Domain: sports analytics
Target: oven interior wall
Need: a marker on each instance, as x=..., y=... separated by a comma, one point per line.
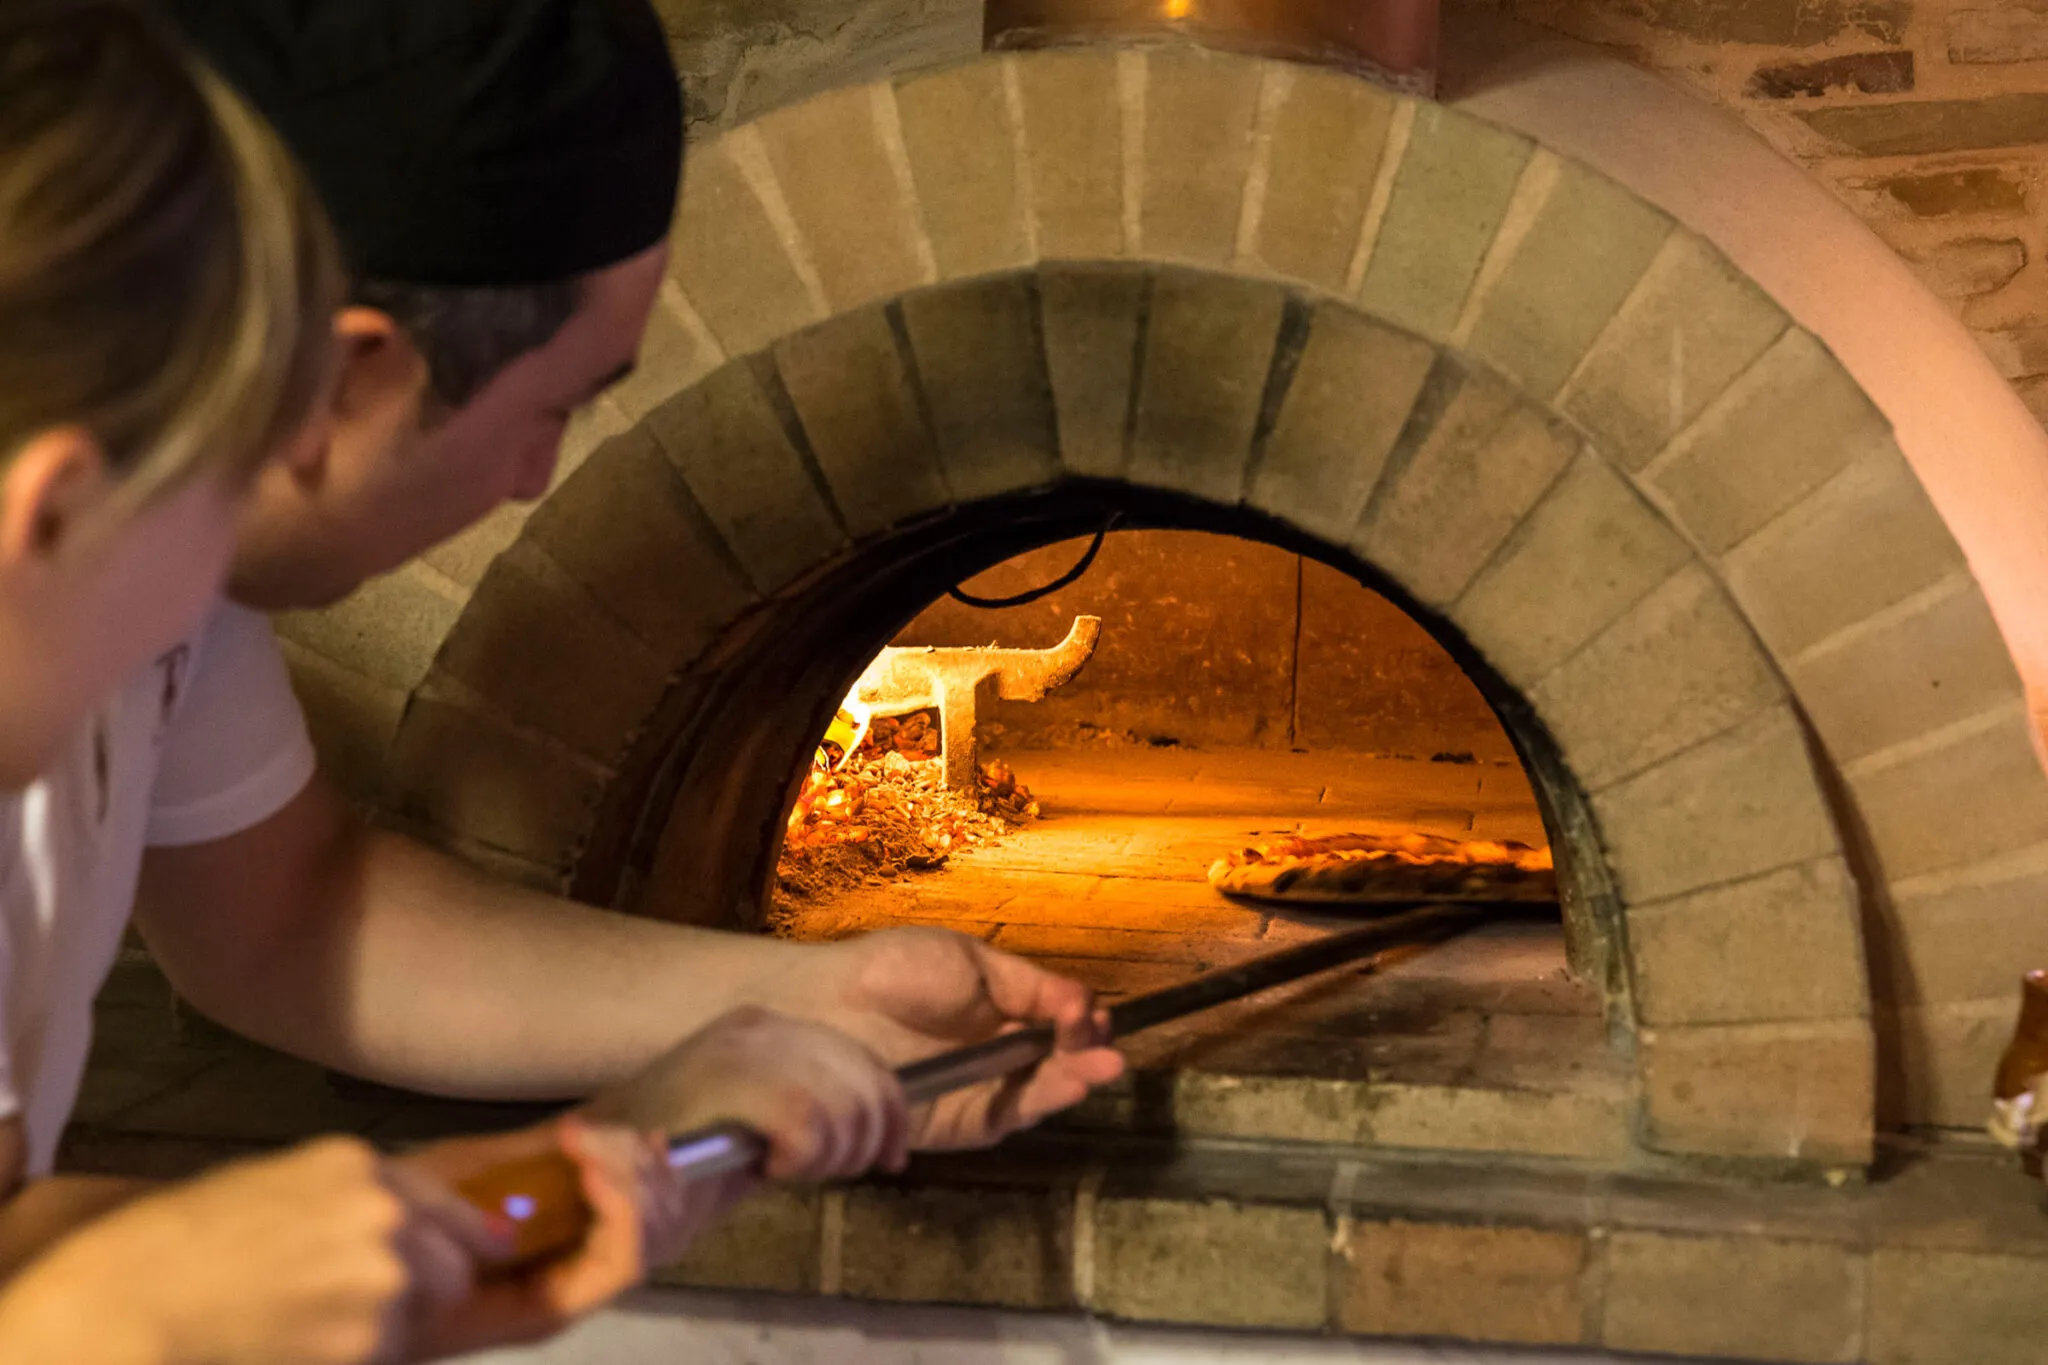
x=1214, y=641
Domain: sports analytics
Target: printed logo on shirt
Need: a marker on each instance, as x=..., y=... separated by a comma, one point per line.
x=173, y=669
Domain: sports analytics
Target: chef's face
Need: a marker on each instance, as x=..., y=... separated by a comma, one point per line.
x=398, y=477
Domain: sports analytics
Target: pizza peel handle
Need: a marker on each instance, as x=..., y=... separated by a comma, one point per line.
x=543, y=1195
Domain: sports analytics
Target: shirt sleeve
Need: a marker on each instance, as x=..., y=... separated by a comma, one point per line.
x=236, y=751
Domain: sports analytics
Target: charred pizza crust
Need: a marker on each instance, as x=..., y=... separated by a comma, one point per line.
x=1365, y=869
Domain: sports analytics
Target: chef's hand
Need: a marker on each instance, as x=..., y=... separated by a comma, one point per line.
x=827, y=1106
x=641, y=1216
x=911, y=993
x=325, y=1255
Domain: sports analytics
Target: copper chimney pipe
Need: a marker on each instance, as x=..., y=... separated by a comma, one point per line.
x=1392, y=42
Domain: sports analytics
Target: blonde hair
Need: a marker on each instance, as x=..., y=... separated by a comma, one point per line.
x=167, y=277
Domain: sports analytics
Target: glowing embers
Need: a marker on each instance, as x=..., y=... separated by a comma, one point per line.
x=881, y=808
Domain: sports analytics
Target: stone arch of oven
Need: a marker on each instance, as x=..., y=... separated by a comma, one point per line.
x=913, y=327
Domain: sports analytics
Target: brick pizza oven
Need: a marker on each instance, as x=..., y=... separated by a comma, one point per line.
x=1763, y=689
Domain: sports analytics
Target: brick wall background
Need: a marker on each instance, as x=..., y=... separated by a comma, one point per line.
x=1929, y=118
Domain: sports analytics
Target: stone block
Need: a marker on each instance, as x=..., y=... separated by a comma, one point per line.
x=465, y=556
x=2004, y=33
x=1210, y=1263
x=352, y=720
x=2034, y=393
x=1481, y=1283
x=1449, y=196
x=1937, y=660
x=1742, y=1297
x=1861, y=542
x=1967, y=794
x=852, y=388
x=1280, y=1108
x=626, y=528
x=1199, y=107
x=1005, y=1248
x=1965, y=1200
x=1583, y=253
x=1454, y=488
x=1948, y=1054
x=1677, y=668
x=729, y=256
x=737, y=459
x=461, y=771
x=1743, y=803
x=1931, y=1307
x=849, y=200
x=1073, y=138
x=1092, y=316
x=1783, y=946
x=769, y=1241
x=2018, y=352
x=1586, y=1125
x=1208, y=351
x=1693, y=324
x=1997, y=190
x=1969, y=267
x=387, y=631
x=1329, y=131
x=1782, y=23
x=1923, y=127
x=985, y=385
x=1791, y=422
x=1866, y=73
x=1969, y=933
x=1352, y=394
x=536, y=649
x=1585, y=553
x=1800, y=1092
x=965, y=161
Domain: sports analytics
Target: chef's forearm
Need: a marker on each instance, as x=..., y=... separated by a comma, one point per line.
x=464, y=985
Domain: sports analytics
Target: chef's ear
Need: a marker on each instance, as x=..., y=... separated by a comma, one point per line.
x=380, y=366
x=47, y=490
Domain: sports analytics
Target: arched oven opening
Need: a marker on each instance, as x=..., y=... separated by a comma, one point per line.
x=1249, y=686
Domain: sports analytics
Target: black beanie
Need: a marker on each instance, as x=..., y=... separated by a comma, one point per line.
x=465, y=142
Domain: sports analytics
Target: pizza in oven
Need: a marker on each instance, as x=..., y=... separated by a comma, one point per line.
x=1364, y=869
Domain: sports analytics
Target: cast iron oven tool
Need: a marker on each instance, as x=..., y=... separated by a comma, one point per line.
x=543, y=1197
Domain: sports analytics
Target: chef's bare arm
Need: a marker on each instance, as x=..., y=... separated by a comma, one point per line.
x=368, y=952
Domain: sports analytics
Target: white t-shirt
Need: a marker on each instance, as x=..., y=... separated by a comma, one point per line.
x=203, y=743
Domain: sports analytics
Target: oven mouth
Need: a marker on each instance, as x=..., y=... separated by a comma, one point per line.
x=1529, y=1015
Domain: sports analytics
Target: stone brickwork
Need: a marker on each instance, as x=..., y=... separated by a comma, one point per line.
x=1940, y=1263
x=1938, y=1258
x=1678, y=588
x=1929, y=120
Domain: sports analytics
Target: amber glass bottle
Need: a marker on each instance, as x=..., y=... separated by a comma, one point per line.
x=2026, y=1056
